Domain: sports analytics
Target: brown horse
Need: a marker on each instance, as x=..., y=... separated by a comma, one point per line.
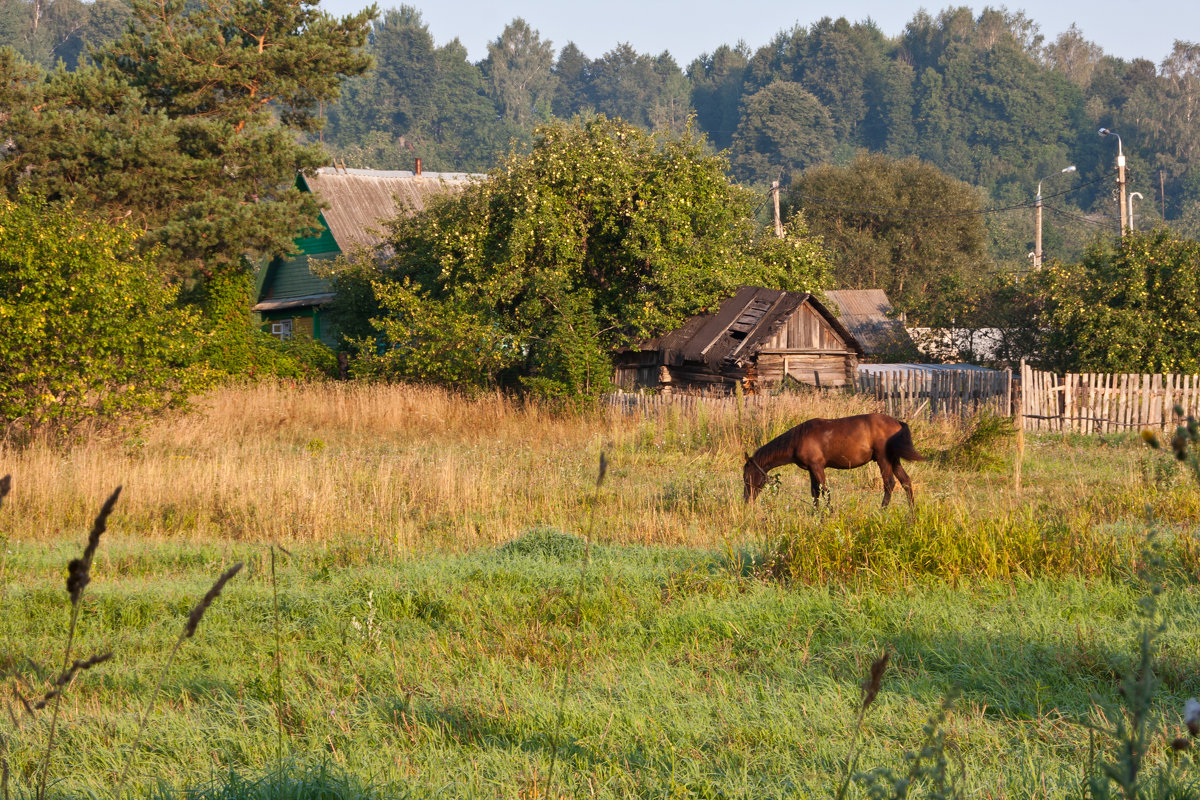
x=846, y=443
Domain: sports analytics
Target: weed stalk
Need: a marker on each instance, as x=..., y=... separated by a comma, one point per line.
x=79, y=575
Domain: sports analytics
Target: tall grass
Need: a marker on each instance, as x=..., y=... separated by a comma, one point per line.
x=414, y=470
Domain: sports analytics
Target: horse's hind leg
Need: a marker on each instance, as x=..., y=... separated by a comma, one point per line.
x=905, y=481
x=889, y=480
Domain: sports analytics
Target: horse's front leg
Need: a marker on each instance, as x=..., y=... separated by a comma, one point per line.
x=816, y=478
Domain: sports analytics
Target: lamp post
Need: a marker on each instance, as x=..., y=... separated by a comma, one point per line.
x=1037, y=219
x=1120, y=176
x=1132, y=195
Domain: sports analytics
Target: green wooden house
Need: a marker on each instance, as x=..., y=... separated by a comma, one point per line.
x=355, y=204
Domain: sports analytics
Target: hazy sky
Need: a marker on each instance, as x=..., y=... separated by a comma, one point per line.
x=1126, y=29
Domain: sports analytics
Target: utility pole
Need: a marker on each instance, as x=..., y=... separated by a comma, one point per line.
x=1037, y=230
x=1162, y=194
x=1120, y=178
x=1121, y=187
x=775, y=198
x=1037, y=219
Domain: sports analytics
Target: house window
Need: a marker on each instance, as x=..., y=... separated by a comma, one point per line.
x=282, y=329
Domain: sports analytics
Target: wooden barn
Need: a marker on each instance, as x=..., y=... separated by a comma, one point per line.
x=356, y=203
x=759, y=338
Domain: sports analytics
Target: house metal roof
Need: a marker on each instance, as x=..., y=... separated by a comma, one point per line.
x=867, y=313
x=360, y=200
x=357, y=204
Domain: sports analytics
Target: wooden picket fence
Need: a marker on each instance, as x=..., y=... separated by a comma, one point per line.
x=681, y=402
x=910, y=392
x=904, y=393
x=1105, y=403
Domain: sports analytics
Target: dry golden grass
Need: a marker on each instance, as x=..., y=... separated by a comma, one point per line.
x=406, y=467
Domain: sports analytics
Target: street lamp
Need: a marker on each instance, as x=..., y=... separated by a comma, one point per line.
x=1037, y=219
x=1132, y=195
x=1120, y=175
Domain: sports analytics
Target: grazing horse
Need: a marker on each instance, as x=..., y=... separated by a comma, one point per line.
x=846, y=443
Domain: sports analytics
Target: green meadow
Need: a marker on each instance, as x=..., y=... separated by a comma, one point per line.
x=439, y=600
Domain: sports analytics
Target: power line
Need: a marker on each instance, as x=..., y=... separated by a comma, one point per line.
x=900, y=211
x=1077, y=217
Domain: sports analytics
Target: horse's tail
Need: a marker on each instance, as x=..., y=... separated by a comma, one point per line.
x=900, y=445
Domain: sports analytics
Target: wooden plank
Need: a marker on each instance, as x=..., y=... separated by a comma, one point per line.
x=1120, y=401
x=1157, y=400
x=1110, y=406
x=1046, y=397
x=1031, y=402
x=1088, y=410
x=1045, y=400
x=1021, y=397
x=1071, y=384
x=1085, y=408
x=1143, y=419
x=1056, y=397
x=1035, y=383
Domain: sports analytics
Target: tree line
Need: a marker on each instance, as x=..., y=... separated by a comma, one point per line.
x=834, y=111
x=984, y=98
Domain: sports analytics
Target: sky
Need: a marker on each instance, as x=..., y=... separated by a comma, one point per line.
x=1125, y=29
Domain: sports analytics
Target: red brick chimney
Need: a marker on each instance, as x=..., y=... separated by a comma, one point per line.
x=417, y=168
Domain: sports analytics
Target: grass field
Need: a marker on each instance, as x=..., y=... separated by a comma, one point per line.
x=419, y=558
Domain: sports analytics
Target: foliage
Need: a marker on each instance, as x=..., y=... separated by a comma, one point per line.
x=432, y=340
x=88, y=330
x=901, y=226
x=188, y=125
x=428, y=102
x=60, y=30
x=648, y=91
x=716, y=81
x=993, y=318
x=981, y=95
x=519, y=70
x=1132, y=305
x=783, y=129
x=601, y=236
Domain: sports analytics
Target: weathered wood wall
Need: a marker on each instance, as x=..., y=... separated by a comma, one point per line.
x=805, y=330
x=826, y=370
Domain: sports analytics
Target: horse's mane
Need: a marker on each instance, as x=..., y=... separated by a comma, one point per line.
x=782, y=442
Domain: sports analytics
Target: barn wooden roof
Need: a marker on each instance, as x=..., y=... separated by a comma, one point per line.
x=867, y=313
x=360, y=200
x=738, y=328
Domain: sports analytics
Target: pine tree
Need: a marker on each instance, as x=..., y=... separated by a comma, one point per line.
x=191, y=123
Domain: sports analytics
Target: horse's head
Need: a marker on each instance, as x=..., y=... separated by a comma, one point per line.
x=754, y=477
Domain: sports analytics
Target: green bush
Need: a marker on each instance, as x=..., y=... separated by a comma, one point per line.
x=88, y=329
